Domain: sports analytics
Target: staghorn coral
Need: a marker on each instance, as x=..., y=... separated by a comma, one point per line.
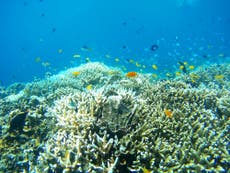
x=119, y=126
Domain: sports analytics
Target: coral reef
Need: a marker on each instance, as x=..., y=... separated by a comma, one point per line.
x=120, y=125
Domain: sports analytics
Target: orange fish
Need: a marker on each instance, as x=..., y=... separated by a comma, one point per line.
x=131, y=74
x=168, y=113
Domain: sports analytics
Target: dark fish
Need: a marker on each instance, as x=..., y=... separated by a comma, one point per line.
x=154, y=47
x=124, y=23
x=205, y=56
x=53, y=29
x=86, y=48
x=25, y=3
x=184, y=68
x=43, y=14
x=124, y=47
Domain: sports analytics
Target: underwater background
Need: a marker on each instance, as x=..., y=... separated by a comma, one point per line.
x=92, y=86
x=39, y=36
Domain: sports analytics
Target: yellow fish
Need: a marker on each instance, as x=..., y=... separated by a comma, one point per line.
x=178, y=73
x=191, y=67
x=219, y=77
x=154, y=75
x=168, y=113
x=145, y=170
x=137, y=64
x=182, y=67
x=89, y=87
x=75, y=73
x=131, y=61
x=154, y=66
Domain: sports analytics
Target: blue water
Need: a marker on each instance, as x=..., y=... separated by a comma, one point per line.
x=195, y=31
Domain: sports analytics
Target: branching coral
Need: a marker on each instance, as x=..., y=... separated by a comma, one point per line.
x=118, y=126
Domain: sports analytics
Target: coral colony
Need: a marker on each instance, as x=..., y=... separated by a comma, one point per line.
x=98, y=119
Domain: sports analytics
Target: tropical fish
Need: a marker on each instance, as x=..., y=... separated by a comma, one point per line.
x=37, y=59
x=76, y=73
x=86, y=48
x=154, y=66
x=154, y=47
x=137, y=64
x=145, y=170
x=168, y=113
x=182, y=67
x=154, y=75
x=221, y=55
x=219, y=77
x=107, y=56
x=54, y=29
x=117, y=59
x=89, y=87
x=46, y=64
x=87, y=59
x=131, y=74
x=60, y=51
x=178, y=73
x=76, y=56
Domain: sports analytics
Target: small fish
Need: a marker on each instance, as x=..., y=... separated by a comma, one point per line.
x=76, y=73
x=37, y=59
x=145, y=170
x=221, y=55
x=178, y=73
x=124, y=23
x=168, y=113
x=131, y=74
x=168, y=74
x=154, y=75
x=124, y=47
x=117, y=59
x=107, y=56
x=86, y=48
x=46, y=64
x=54, y=29
x=191, y=67
x=25, y=3
x=154, y=66
x=182, y=67
x=154, y=47
x=76, y=56
x=137, y=64
x=89, y=87
x=130, y=61
x=87, y=59
x=60, y=51
x=219, y=77
x=205, y=56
